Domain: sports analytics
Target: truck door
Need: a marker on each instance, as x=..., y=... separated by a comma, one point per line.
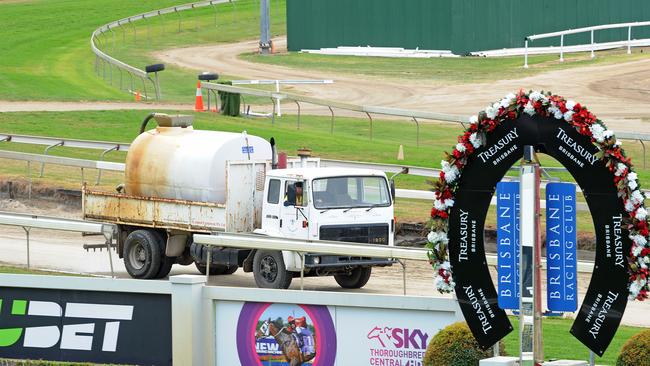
x=272, y=202
x=295, y=210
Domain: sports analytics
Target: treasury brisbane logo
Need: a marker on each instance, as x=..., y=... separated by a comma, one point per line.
x=70, y=336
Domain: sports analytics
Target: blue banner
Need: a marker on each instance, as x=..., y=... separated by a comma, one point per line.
x=508, y=244
x=561, y=256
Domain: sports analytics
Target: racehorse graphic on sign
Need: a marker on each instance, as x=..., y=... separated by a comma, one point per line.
x=286, y=341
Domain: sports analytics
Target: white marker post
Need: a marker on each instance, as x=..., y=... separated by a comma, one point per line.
x=530, y=301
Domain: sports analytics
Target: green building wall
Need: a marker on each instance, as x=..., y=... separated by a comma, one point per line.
x=461, y=26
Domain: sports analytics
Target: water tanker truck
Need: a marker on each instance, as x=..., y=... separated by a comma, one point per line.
x=180, y=181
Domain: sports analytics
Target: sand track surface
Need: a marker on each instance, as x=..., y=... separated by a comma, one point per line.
x=619, y=94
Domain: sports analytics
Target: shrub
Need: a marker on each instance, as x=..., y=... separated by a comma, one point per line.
x=455, y=346
x=636, y=351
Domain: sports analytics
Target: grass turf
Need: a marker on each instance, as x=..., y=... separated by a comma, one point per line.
x=45, y=44
x=560, y=344
x=444, y=70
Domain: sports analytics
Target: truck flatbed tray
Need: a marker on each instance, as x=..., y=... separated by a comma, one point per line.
x=155, y=212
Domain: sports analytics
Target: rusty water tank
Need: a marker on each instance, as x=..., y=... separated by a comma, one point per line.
x=188, y=164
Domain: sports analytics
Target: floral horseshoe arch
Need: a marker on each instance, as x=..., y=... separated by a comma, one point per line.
x=572, y=135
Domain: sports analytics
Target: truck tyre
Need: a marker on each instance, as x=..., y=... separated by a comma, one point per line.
x=142, y=254
x=357, y=278
x=269, y=270
x=166, y=262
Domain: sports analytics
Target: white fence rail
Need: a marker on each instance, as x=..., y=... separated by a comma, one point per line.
x=592, y=46
x=96, y=43
x=28, y=222
x=302, y=247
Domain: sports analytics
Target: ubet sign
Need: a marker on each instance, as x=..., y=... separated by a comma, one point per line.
x=70, y=336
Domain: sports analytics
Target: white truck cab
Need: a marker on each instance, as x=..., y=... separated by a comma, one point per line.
x=335, y=204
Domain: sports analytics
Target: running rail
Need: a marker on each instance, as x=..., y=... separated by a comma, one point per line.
x=629, y=43
x=95, y=39
x=28, y=222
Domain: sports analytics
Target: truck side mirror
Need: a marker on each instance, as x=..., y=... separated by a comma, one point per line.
x=392, y=189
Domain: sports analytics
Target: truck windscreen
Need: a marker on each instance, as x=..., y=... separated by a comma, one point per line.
x=348, y=192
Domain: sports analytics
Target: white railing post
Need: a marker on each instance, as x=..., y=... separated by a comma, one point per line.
x=277, y=90
x=629, y=40
x=526, y=54
x=187, y=320
x=562, y=48
x=593, y=55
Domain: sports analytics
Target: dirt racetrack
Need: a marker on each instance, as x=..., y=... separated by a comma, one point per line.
x=618, y=93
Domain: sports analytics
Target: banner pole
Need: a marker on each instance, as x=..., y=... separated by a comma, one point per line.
x=530, y=303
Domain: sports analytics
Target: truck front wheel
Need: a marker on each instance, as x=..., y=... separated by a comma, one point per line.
x=143, y=254
x=269, y=270
x=357, y=278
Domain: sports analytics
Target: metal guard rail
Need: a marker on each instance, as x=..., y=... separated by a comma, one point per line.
x=339, y=105
x=110, y=26
x=591, y=29
x=28, y=222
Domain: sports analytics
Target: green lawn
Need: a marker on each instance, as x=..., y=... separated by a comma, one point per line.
x=444, y=70
x=46, y=52
x=560, y=344
x=350, y=140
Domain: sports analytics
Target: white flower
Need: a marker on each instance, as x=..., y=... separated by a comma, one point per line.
x=451, y=171
x=646, y=260
x=449, y=202
x=445, y=265
x=632, y=184
x=437, y=237
x=529, y=109
x=608, y=133
x=635, y=287
x=475, y=140
x=570, y=104
x=505, y=102
x=491, y=111
x=597, y=132
x=460, y=147
x=643, y=265
x=439, y=205
x=629, y=206
x=637, y=197
x=555, y=111
x=536, y=96
x=636, y=249
x=640, y=241
x=641, y=213
x=473, y=119
x=620, y=169
x=568, y=116
x=618, y=143
x=632, y=176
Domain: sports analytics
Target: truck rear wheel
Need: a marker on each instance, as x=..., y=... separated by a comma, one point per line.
x=269, y=270
x=357, y=278
x=143, y=254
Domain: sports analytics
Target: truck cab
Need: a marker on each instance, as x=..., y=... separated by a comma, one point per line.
x=334, y=204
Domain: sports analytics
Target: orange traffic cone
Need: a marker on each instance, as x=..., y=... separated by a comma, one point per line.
x=198, y=105
x=137, y=96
